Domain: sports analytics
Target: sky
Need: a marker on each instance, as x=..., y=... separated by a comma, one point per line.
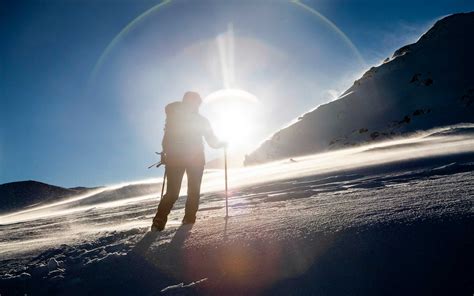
x=83, y=84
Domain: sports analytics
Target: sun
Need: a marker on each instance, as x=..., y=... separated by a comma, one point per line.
x=233, y=113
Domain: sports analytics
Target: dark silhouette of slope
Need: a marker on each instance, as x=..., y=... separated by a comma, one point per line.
x=17, y=195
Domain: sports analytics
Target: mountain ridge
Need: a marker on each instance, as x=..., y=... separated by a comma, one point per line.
x=424, y=85
x=16, y=195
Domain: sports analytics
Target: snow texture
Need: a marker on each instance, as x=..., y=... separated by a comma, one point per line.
x=391, y=218
x=424, y=85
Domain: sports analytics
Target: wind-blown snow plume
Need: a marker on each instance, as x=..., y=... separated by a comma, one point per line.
x=424, y=85
x=444, y=141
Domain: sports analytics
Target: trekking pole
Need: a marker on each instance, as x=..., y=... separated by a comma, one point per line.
x=157, y=164
x=226, y=191
x=163, y=185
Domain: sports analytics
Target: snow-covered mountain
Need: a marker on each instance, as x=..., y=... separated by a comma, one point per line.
x=423, y=85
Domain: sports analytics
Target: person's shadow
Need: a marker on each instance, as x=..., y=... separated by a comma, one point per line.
x=148, y=269
x=177, y=242
x=181, y=235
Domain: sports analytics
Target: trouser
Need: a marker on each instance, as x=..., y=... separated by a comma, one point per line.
x=174, y=178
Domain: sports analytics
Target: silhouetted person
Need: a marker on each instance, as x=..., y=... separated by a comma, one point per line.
x=183, y=151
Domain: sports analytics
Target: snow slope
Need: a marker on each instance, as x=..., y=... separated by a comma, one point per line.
x=424, y=85
x=392, y=218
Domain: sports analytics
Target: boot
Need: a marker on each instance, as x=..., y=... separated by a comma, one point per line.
x=158, y=225
x=188, y=220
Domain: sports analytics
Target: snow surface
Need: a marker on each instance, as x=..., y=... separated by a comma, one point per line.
x=424, y=85
x=389, y=218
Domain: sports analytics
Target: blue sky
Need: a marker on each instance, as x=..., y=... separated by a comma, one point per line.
x=63, y=123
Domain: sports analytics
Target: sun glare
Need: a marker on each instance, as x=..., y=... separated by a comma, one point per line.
x=233, y=114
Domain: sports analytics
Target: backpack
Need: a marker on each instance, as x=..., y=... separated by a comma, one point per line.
x=173, y=130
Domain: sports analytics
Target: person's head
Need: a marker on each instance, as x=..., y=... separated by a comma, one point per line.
x=192, y=100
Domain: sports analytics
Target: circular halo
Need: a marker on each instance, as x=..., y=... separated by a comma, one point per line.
x=158, y=7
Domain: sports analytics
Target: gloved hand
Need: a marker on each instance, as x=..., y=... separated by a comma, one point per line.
x=163, y=158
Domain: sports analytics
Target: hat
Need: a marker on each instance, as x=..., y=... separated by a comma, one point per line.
x=192, y=97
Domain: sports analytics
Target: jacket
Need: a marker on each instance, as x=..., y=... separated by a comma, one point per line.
x=183, y=138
